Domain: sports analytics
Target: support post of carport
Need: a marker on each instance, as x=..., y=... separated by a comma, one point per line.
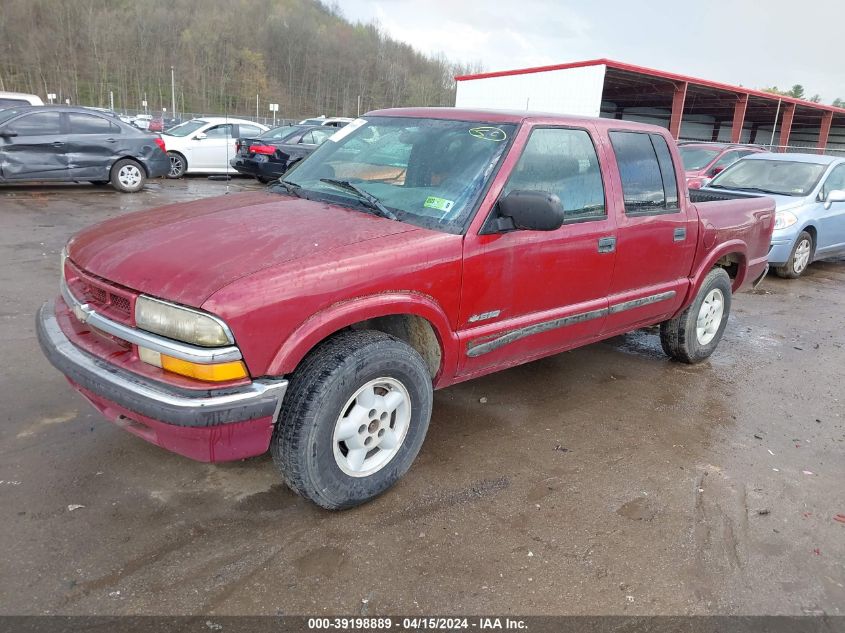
x=739, y=118
x=786, y=126
x=824, y=131
x=678, y=99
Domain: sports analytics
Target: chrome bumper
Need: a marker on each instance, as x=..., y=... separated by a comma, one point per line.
x=156, y=400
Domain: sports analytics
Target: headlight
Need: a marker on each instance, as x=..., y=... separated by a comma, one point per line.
x=62, y=260
x=784, y=219
x=182, y=324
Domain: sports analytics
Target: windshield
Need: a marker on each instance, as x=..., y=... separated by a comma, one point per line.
x=280, y=132
x=696, y=157
x=185, y=129
x=5, y=115
x=428, y=172
x=786, y=177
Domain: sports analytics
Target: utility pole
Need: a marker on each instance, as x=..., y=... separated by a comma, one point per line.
x=256, y=107
x=172, y=92
x=359, y=105
x=111, y=100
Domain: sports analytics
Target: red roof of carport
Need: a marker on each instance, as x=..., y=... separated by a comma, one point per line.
x=654, y=73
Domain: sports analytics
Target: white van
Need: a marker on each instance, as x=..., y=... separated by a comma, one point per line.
x=12, y=99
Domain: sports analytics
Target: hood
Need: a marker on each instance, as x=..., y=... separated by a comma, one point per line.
x=782, y=203
x=186, y=252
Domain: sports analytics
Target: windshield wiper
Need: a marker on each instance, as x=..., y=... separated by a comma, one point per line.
x=290, y=187
x=761, y=190
x=365, y=196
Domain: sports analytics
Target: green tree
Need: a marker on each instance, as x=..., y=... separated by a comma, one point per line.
x=796, y=91
x=816, y=98
x=839, y=103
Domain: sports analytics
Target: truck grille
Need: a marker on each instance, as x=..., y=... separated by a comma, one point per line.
x=108, y=299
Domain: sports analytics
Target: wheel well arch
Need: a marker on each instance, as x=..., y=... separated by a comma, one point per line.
x=134, y=160
x=418, y=322
x=814, y=233
x=733, y=263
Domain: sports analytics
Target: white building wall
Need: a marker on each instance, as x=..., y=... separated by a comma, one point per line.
x=570, y=91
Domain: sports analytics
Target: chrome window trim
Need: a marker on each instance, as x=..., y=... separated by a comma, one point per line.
x=183, y=351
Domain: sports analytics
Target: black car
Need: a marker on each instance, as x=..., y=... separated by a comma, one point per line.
x=270, y=155
x=68, y=144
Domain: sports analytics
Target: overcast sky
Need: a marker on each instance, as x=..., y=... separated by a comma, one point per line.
x=754, y=43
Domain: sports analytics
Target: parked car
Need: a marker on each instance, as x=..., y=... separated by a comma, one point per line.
x=270, y=155
x=314, y=318
x=703, y=161
x=809, y=191
x=156, y=124
x=205, y=146
x=335, y=121
x=63, y=143
x=142, y=121
x=14, y=99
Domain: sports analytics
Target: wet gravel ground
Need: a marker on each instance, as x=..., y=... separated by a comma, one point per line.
x=606, y=480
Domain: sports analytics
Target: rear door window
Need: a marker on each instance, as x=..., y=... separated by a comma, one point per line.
x=249, y=130
x=38, y=124
x=90, y=124
x=562, y=161
x=647, y=172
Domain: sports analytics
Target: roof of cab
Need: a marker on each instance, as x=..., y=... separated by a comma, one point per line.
x=511, y=116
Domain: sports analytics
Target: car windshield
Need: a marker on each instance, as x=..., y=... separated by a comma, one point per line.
x=696, y=157
x=278, y=133
x=786, y=177
x=185, y=129
x=428, y=172
x=5, y=115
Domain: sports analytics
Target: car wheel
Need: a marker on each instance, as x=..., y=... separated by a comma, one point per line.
x=799, y=258
x=694, y=334
x=127, y=176
x=178, y=165
x=353, y=419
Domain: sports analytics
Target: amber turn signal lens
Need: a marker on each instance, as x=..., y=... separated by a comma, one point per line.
x=219, y=372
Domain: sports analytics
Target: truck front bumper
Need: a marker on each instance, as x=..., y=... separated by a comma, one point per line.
x=209, y=425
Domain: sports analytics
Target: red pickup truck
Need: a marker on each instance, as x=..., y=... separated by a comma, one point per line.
x=416, y=249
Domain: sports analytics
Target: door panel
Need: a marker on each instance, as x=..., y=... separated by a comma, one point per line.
x=656, y=235
x=528, y=294
x=831, y=234
x=211, y=152
x=92, y=144
x=38, y=150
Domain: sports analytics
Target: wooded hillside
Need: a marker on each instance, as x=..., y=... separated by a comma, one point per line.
x=299, y=53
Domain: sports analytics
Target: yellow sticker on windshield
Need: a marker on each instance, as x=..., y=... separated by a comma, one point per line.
x=441, y=204
x=488, y=133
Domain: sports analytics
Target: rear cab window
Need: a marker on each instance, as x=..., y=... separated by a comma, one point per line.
x=647, y=172
x=90, y=124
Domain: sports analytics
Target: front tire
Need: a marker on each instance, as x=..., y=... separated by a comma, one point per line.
x=128, y=176
x=799, y=258
x=353, y=419
x=178, y=165
x=694, y=334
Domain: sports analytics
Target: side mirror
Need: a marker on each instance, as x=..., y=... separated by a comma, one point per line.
x=8, y=133
x=531, y=210
x=200, y=136
x=836, y=195
x=716, y=170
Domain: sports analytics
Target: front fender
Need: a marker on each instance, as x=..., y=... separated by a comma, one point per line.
x=343, y=314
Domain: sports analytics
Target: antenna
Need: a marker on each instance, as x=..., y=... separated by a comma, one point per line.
x=229, y=140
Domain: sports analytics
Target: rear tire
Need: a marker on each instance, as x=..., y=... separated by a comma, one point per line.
x=799, y=258
x=353, y=419
x=694, y=334
x=178, y=165
x=128, y=176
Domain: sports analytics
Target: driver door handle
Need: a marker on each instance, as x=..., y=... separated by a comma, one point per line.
x=58, y=144
x=607, y=244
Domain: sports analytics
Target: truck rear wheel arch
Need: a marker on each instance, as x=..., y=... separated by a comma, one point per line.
x=734, y=264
